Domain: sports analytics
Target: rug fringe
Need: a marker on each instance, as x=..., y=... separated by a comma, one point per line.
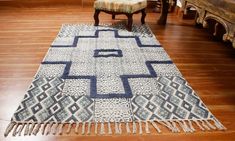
x=141, y=127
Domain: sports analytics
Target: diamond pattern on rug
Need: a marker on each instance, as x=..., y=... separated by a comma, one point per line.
x=176, y=100
x=106, y=74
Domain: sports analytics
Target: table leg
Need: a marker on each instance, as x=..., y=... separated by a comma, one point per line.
x=164, y=11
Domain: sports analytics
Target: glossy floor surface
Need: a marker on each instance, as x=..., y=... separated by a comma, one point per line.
x=27, y=32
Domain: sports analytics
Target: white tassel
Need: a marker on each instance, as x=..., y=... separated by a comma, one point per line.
x=191, y=126
x=210, y=125
x=204, y=125
x=120, y=127
x=182, y=126
x=155, y=126
x=96, y=127
x=55, y=129
x=147, y=127
x=128, y=128
x=77, y=127
x=89, y=128
x=102, y=129
x=83, y=128
x=198, y=124
x=176, y=129
x=9, y=128
x=36, y=130
x=140, y=128
x=168, y=125
x=49, y=128
x=31, y=129
x=26, y=131
x=21, y=129
x=116, y=128
x=43, y=129
x=109, y=128
x=15, y=130
x=61, y=129
x=69, y=128
x=219, y=125
x=134, y=127
x=187, y=127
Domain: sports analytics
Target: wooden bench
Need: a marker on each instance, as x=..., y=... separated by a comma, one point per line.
x=222, y=11
x=116, y=7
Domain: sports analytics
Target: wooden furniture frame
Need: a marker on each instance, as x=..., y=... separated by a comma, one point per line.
x=129, y=16
x=206, y=11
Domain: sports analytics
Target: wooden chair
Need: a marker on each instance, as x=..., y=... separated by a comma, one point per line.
x=116, y=7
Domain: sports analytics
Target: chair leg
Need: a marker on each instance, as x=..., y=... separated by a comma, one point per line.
x=143, y=16
x=130, y=21
x=96, y=17
x=113, y=16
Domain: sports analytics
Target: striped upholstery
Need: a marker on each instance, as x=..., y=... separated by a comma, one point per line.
x=125, y=6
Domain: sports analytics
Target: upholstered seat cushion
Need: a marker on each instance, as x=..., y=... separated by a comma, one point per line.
x=126, y=6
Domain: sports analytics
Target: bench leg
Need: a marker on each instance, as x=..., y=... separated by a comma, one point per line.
x=96, y=17
x=143, y=16
x=113, y=16
x=130, y=21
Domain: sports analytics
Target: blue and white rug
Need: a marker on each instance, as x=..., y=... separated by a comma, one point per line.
x=110, y=80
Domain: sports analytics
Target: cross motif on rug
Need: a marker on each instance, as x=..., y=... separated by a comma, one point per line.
x=110, y=80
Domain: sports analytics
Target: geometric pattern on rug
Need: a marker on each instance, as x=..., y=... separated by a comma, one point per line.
x=176, y=100
x=106, y=74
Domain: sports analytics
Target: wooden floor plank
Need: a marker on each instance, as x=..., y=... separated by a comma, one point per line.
x=27, y=32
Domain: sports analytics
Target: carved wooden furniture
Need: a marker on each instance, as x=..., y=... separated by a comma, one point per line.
x=222, y=11
x=116, y=7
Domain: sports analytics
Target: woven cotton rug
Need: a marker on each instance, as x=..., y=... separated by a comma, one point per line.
x=110, y=80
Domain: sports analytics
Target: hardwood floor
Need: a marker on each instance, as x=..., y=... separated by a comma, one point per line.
x=27, y=32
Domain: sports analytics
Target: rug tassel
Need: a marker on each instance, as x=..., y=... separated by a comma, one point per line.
x=9, y=128
x=69, y=128
x=36, y=130
x=140, y=128
x=218, y=125
x=128, y=128
x=134, y=127
x=155, y=126
x=120, y=127
x=147, y=127
x=26, y=131
x=191, y=126
x=15, y=130
x=89, y=128
x=48, y=130
x=210, y=125
x=21, y=129
x=61, y=129
x=55, y=128
x=168, y=124
x=204, y=125
x=198, y=124
x=77, y=127
x=182, y=126
x=44, y=128
x=176, y=129
x=109, y=128
x=116, y=128
x=102, y=132
x=187, y=127
x=31, y=129
x=96, y=127
x=83, y=128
